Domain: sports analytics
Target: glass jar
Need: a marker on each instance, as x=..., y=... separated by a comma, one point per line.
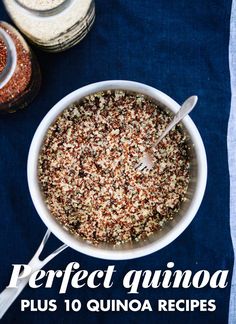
x=20, y=76
x=53, y=25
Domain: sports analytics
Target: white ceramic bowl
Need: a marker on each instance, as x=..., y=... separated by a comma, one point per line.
x=198, y=177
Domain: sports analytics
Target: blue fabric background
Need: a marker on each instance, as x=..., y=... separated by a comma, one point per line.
x=181, y=48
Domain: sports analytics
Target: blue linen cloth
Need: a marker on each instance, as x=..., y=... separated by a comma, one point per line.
x=181, y=48
x=232, y=154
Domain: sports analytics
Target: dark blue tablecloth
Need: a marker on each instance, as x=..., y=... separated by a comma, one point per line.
x=181, y=48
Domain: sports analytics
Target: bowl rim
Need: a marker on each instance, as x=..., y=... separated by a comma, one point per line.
x=57, y=229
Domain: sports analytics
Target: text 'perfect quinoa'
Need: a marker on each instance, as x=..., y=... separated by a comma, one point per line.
x=87, y=175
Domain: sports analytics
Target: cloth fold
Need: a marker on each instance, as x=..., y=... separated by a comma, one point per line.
x=232, y=155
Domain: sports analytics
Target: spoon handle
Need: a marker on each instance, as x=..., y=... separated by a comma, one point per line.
x=184, y=110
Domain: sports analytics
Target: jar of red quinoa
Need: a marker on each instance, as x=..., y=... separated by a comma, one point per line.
x=20, y=76
x=52, y=25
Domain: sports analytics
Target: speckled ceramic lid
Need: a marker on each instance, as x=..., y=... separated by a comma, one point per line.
x=41, y=4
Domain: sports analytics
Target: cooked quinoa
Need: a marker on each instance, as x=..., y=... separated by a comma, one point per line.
x=87, y=168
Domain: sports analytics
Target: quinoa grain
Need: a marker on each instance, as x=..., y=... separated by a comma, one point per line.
x=87, y=175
